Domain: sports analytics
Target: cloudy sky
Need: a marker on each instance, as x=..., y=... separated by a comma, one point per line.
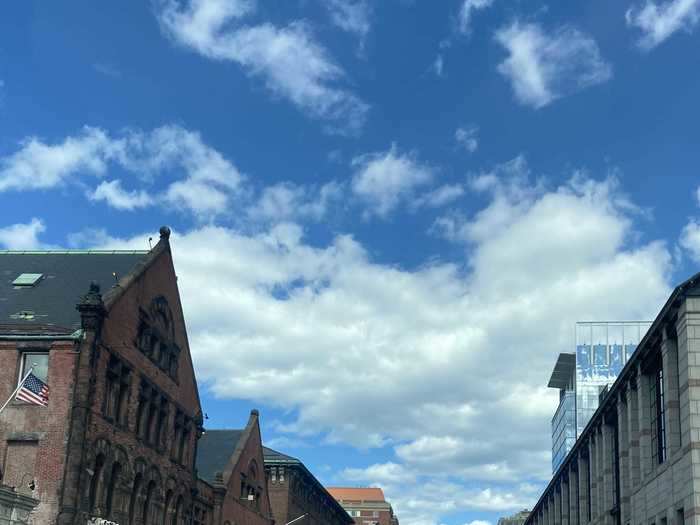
x=387, y=215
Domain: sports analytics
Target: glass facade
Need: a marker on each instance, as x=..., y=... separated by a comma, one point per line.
x=563, y=428
x=602, y=349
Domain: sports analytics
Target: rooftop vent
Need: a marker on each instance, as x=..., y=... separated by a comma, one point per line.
x=27, y=279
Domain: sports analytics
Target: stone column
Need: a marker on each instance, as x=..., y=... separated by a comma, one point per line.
x=669, y=356
x=633, y=464
x=564, y=499
x=606, y=434
x=643, y=411
x=583, y=466
x=556, y=505
x=573, y=499
x=594, y=475
x=623, y=445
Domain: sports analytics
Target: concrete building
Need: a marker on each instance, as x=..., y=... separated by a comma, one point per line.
x=636, y=461
x=118, y=439
x=516, y=519
x=366, y=505
x=294, y=492
x=602, y=349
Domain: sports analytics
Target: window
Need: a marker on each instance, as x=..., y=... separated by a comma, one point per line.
x=657, y=412
x=38, y=362
x=113, y=481
x=95, y=481
x=116, y=391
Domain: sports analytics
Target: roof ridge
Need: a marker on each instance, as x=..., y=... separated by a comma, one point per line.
x=73, y=252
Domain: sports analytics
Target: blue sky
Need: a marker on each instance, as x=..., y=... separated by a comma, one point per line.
x=387, y=215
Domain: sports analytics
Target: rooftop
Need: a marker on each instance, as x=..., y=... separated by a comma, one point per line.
x=563, y=372
x=357, y=493
x=52, y=284
x=214, y=449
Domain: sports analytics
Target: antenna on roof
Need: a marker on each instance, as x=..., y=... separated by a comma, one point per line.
x=150, y=246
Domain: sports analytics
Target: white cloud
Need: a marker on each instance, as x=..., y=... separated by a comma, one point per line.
x=384, y=180
x=119, y=198
x=690, y=240
x=439, y=65
x=479, y=522
x=352, y=16
x=543, y=66
x=37, y=165
x=207, y=183
x=440, y=196
x=286, y=201
x=289, y=59
x=22, y=236
x=467, y=10
x=467, y=137
x=336, y=331
x=658, y=21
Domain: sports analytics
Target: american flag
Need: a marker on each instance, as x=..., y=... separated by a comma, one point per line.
x=34, y=391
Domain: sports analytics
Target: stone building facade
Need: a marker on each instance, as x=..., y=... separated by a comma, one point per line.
x=118, y=440
x=637, y=462
x=295, y=492
x=366, y=505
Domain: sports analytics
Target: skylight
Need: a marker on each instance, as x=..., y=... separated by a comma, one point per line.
x=27, y=279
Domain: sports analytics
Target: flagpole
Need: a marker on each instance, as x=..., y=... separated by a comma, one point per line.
x=16, y=390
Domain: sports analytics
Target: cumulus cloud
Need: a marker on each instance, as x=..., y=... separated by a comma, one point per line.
x=289, y=59
x=336, y=331
x=352, y=16
x=22, y=236
x=690, y=239
x=658, y=21
x=384, y=180
x=544, y=66
x=206, y=185
x=467, y=137
x=117, y=197
x=37, y=165
x=440, y=196
x=286, y=201
x=467, y=10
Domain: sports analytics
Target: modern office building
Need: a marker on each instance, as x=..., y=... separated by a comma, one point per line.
x=602, y=349
x=636, y=460
x=366, y=505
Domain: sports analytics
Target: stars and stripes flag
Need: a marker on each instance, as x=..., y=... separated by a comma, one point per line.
x=34, y=390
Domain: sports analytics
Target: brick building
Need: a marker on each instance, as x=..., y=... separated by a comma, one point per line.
x=637, y=460
x=295, y=492
x=118, y=440
x=366, y=505
x=231, y=466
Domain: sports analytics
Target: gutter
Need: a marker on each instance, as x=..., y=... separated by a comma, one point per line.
x=75, y=336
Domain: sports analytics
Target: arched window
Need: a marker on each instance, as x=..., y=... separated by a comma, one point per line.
x=113, y=481
x=95, y=481
x=135, y=491
x=177, y=515
x=166, y=508
x=150, y=493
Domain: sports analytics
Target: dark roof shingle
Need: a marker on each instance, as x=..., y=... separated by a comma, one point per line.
x=66, y=276
x=214, y=450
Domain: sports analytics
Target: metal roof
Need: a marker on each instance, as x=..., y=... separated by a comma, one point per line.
x=214, y=450
x=563, y=371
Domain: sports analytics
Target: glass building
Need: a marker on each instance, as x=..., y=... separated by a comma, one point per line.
x=602, y=349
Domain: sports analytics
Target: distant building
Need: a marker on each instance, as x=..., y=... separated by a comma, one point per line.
x=294, y=492
x=366, y=505
x=636, y=462
x=602, y=349
x=516, y=519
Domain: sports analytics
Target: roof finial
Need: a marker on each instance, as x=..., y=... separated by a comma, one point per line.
x=164, y=232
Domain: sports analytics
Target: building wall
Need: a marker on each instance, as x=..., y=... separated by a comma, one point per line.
x=33, y=438
x=294, y=493
x=247, y=476
x=369, y=513
x=615, y=475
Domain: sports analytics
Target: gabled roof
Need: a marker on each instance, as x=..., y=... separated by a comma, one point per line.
x=357, y=493
x=49, y=304
x=273, y=456
x=214, y=450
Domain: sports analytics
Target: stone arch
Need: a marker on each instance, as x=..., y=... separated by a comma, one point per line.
x=98, y=457
x=117, y=484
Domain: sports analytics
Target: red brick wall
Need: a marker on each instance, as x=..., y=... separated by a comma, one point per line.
x=39, y=432
x=234, y=509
